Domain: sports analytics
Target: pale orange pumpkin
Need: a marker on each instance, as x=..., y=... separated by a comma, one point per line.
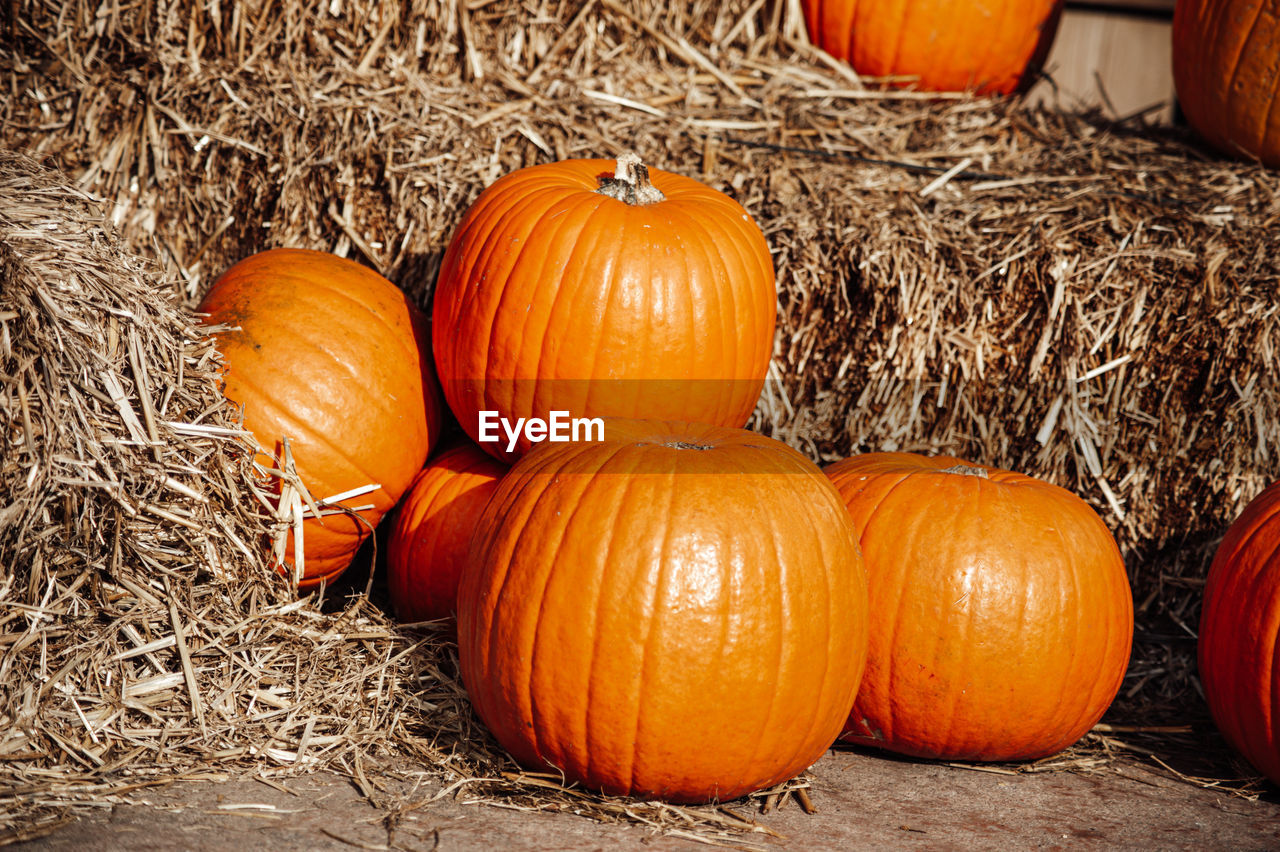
x=677, y=611
x=1001, y=615
x=602, y=288
x=334, y=357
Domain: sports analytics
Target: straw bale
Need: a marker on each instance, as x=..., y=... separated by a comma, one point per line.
x=1074, y=295
x=143, y=636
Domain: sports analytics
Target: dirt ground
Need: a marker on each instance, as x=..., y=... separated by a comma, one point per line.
x=862, y=800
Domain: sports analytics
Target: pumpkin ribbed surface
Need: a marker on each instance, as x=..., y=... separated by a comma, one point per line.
x=553, y=295
x=1239, y=645
x=1226, y=70
x=678, y=611
x=431, y=529
x=331, y=355
x=1001, y=614
x=987, y=46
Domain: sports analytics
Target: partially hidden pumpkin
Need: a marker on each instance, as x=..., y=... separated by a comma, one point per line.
x=984, y=46
x=1240, y=634
x=675, y=612
x=602, y=288
x=332, y=356
x=431, y=529
x=1001, y=614
x=1226, y=71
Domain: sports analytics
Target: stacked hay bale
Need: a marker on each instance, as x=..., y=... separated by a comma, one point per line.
x=143, y=637
x=1088, y=301
x=111, y=394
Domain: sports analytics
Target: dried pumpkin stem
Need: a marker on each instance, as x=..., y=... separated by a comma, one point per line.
x=967, y=470
x=630, y=182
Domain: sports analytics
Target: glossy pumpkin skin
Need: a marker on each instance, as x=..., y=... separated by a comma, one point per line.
x=332, y=355
x=1240, y=632
x=431, y=529
x=677, y=612
x=554, y=296
x=985, y=46
x=1002, y=618
x=1226, y=70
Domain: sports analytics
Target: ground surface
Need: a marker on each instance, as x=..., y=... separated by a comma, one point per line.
x=863, y=802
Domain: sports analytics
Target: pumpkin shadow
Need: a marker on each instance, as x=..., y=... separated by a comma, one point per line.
x=370, y=558
x=1201, y=758
x=1197, y=754
x=415, y=274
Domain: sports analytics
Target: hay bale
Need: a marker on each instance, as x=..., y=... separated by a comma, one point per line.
x=119, y=448
x=143, y=637
x=1081, y=302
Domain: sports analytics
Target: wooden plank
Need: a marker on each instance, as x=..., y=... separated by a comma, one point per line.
x=1108, y=58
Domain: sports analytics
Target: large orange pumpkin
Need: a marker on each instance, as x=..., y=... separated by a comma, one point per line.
x=1240, y=633
x=432, y=527
x=985, y=46
x=678, y=611
x=333, y=356
x=583, y=286
x=1001, y=615
x=1226, y=70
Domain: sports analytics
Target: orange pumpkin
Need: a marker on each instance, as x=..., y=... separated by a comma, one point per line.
x=677, y=611
x=1240, y=632
x=431, y=529
x=584, y=287
x=333, y=356
x=1226, y=71
x=985, y=46
x=1001, y=614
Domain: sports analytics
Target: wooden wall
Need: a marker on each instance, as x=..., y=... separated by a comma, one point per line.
x=1115, y=54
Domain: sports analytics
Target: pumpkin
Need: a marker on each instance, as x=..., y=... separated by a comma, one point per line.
x=677, y=611
x=431, y=528
x=1001, y=614
x=984, y=46
x=1240, y=631
x=602, y=288
x=334, y=357
x=1226, y=72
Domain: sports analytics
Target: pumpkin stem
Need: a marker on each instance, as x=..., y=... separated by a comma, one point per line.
x=967, y=470
x=630, y=182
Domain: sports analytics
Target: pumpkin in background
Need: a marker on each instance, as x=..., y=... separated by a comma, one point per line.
x=1239, y=633
x=985, y=46
x=600, y=288
x=333, y=356
x=677, y=611
x=431, y=528
x=1001, y=615
x=1226, y=71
